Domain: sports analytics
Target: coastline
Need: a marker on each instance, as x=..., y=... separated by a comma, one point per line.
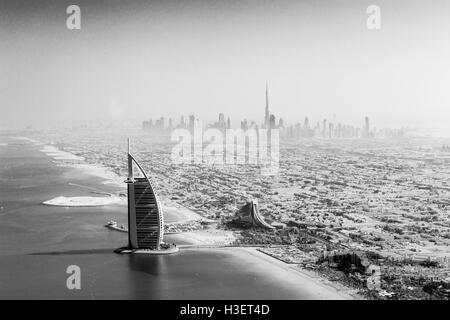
x=214, y=237
x=312, y=279
x=216, y=240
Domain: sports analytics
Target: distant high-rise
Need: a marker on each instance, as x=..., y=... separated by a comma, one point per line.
x=182, y=122
x=147, y=125
x=159, y=124
x=306, y=123
x=244, y=125
x=267, y=115
x=272, y=123
x=366, y=128
x=221, y=123
x=191, y=122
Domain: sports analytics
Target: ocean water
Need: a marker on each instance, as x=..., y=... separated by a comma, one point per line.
x=39, y=242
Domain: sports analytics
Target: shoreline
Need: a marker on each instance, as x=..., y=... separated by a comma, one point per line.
x=320, y=287
x=203, y=239
x=340, y=289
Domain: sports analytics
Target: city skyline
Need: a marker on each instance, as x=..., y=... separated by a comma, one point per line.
x=325, y=128
x=208, y=57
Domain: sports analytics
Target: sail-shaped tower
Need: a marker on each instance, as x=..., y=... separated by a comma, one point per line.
x=145, y=214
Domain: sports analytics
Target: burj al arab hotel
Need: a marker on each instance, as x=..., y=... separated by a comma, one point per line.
x=145, y=214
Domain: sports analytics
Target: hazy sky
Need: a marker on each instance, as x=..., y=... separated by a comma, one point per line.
x=167, y=58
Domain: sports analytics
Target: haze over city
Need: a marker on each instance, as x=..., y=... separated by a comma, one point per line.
x=225, y=149
x=168, y=58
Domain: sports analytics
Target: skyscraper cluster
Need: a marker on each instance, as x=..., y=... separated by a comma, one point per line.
x=157, y=126
x=324, y=129
x=221, y=124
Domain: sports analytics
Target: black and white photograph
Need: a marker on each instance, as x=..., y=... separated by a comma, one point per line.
x=201, y=150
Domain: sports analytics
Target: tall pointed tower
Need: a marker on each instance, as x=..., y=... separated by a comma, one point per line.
x=145, y=215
